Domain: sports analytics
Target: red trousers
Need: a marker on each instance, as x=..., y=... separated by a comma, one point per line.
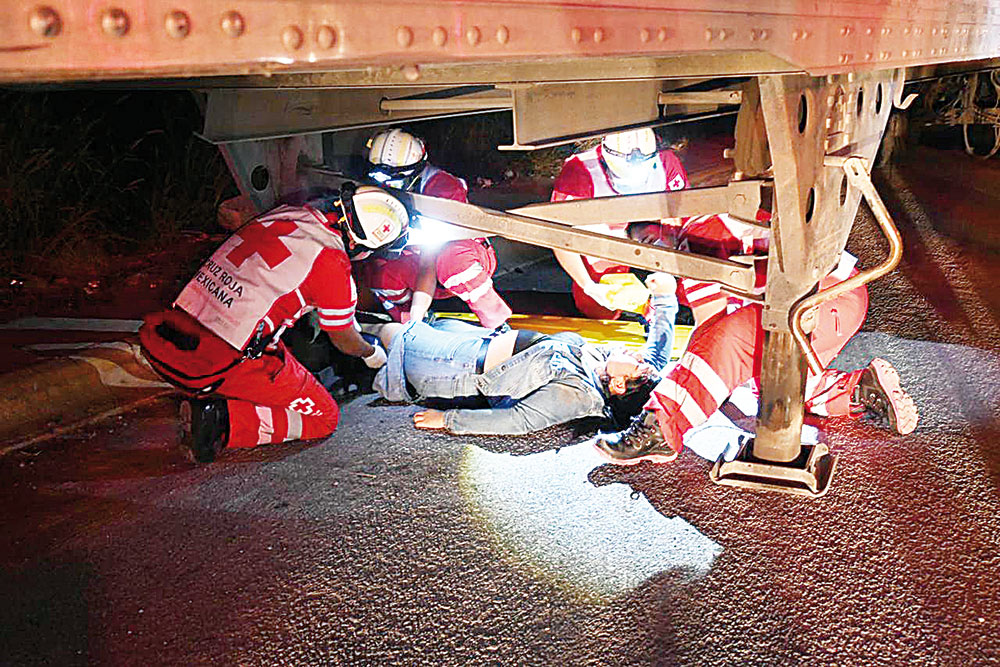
x=725, y=352
x=270, y=399
x=464, y=269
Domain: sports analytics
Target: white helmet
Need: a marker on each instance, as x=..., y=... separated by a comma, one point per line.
x=397, y=158
x=374, y=218
x=625, y=153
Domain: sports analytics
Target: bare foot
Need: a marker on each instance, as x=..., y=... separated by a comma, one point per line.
x=429, y=419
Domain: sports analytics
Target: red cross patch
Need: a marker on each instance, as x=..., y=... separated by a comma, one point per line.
x=263, y=240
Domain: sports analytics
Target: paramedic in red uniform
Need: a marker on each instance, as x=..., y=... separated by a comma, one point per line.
x=220, y=341
x=623, y=164
x=725, y=349
x=463, y=267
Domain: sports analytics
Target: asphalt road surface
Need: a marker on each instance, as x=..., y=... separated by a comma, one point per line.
x=384, y=545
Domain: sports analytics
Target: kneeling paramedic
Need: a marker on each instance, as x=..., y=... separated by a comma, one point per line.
x=220, y=341
x=443, y=260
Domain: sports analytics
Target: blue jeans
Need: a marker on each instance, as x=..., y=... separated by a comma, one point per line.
x=550, y=382
x=440, y=360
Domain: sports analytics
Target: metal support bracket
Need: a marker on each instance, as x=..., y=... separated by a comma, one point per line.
x=545, y=113
x=808, y=122
x=551, y=225
x=857, y=176
x=808, y=475
x=732, y=276
x=899, y=81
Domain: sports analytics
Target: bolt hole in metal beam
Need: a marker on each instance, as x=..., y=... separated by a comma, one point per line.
x=810, y=204
x=803, y=113
x=259, y=178
x=878, y=99
x=861, y=100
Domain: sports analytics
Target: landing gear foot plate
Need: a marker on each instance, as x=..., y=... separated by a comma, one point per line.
x=808, y=475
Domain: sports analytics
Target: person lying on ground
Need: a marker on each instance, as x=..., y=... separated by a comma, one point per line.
x=528, y=381
x=220, y=343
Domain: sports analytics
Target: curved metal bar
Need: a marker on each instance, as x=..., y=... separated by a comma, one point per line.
x=857, y=175
x=898, y=83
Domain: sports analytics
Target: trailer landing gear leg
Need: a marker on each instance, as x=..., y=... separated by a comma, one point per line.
x=776, y=459
x=822, y=134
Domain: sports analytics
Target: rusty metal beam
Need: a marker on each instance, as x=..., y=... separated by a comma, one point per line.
x=711, y=97
x=741, y=199
x=257, y=114
x=483, y=100
x=734, y=276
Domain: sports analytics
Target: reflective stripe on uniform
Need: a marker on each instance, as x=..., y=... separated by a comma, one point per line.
x=389, y=293
x=475, y=295
x=679, y=395
x=335, y=317
x=265, y=431
x=709, y=379
x=393, y=297
x=702, y=291
x=334, y=312
x=294, y=425
x=475, y=269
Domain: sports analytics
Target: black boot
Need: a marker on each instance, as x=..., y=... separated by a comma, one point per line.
x=204, y=428
x=641, y=441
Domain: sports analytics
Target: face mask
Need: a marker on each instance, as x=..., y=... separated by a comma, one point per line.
x=632, y=177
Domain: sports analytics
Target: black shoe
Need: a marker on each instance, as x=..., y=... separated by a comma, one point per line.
x=349, y=383
x=641, y=441
x=366, y=317
x=204, y=429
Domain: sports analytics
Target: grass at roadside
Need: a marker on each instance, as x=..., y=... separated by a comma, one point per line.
x=88, y=177
x=93, y=180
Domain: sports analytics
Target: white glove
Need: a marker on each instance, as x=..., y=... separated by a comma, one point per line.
x=600, y=293
x=376, y=359
x=660, y=284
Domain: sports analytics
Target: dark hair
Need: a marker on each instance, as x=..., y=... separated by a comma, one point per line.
x=621, y=408
x=652, y=233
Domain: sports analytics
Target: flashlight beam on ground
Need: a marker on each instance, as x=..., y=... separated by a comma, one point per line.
x=600, y=540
